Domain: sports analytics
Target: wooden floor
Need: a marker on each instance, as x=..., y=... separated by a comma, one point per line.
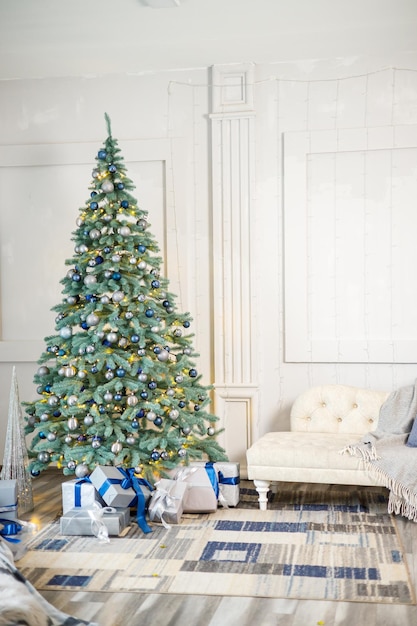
x=134, y=609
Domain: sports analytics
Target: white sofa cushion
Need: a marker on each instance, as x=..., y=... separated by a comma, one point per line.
x=306, y=457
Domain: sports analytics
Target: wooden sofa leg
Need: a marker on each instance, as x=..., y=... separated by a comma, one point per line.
x=262, y=487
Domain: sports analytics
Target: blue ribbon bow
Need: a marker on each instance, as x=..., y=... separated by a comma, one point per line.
x=232, y=480
x=130, y=480
x=10, y=528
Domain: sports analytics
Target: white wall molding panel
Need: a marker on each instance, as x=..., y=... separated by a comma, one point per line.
x=234, y=267
x=349, y=204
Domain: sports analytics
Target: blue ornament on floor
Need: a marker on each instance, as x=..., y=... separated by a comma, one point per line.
x=34, y=472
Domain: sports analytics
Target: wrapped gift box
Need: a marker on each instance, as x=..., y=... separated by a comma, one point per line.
x=200, y=496
x=229, y=481
x=79, y=493
x=78, y=521
x=108, y=480
x=167, y=501
x=8, y=499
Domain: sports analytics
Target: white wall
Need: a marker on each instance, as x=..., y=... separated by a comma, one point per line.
x=283, y=198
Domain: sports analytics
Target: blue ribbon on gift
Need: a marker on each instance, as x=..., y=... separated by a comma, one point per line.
x=130, y=480
x=8, y=508
x=10, y=528
x=212, y=474
x=232, y=480
x=77, y=492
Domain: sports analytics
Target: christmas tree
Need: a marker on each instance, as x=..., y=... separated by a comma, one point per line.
x=117, y=382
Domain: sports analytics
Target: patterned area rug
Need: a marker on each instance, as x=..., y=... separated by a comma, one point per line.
x=322, y=543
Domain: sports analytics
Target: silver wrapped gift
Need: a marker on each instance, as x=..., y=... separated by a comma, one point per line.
x=166, y=504
x=86, y=521
x=8, y=499
x=200, y=496
x=109, y=482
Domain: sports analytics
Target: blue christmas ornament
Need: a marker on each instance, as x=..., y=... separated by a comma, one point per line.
x=93, y=193
x=181, y=404
x=76, y=278
x=166, y=303
x=135, y=424
x=134, y=338
x=149, y=312
x=120, y=186
x=144, y=395
x=34, y=472
x=193, y=373
x=155, y=455
x=102, y=154
x=186, y=324
x=94, y=369
x=141, y=248
x=152, y=385
x=140, y=413
x=84, y=325
x=93, y=206
x=116, y=276
x=101, y=409
x=158, y=421
x=112, y=168
x=107, y=249
x=155, y=284
x=120, y=372
x=124, y=204
x=118, y=397
x=42, y=435
x=157, y=349
x=99, y=259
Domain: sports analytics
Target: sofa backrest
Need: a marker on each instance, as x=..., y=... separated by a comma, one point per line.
x=337, y=409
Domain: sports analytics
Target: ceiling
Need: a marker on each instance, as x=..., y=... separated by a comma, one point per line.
x=43, y=38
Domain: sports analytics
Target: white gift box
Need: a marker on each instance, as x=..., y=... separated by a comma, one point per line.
x=200, y=496
x=108, y=480
x=79, y=493
x=79, y=521
x=8, y=499
x=228, y=475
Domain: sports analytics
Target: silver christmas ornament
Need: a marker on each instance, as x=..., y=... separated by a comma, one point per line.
x=117, y=296
x=92, y=319
x=89, y=280
x=104, y=299
x=111, y=337
x=89, y=420
x=143, y=377
x=128, y=315
x=107, y=186
x=95, y=444
x=163, y=355
x=109, y=375
x=72, y=400
x=125, y=231
x=132, y=260
x=51, y=436
x=210, y=431
x=43, y=370
x=72, y=423
x=186, y=430
x=123, y=342
x=142, y=265
x=44, y=417
x=132, y=400
x=182, y=452
x=44, y=457
x=116, y=447
x=94, y=233
x=82, y=374
x=90, y=349
x=71, y=299
x=70, y=371
x=174, y=414
x=108, y=396
x=53, y=400
x=179, y=378
x=81, y=470
x=65, y=332
x=130, y=440
x=151, y=416
x=79, y=221
x=116, y=258
x=68, y=439
x=71, y=465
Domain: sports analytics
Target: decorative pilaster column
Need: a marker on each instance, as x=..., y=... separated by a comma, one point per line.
x=233, y=179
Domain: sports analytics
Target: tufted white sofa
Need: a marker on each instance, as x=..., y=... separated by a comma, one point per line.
x=323, y=421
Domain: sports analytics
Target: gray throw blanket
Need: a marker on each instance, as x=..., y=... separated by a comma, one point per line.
x=385, y=454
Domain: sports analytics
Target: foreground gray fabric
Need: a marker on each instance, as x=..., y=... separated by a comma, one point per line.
x=386, y=455
x=21, y=604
